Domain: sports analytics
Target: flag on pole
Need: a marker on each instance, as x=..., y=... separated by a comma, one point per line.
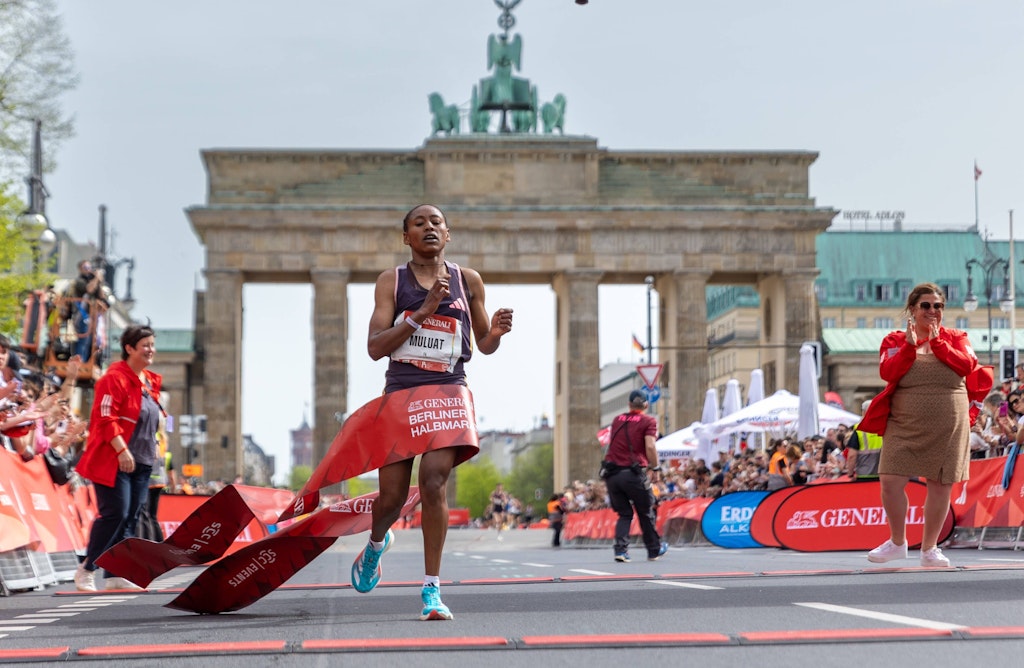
x=637, y=346
x=977, y=172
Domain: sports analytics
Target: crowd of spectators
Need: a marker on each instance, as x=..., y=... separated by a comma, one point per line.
x=820, y=457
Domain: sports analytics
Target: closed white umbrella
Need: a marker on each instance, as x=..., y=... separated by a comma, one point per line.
x=707, y=447
x=755, y=393
x=731, y=403
x=807, y=420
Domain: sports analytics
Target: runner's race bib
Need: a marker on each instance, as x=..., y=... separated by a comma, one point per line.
x=436, y=346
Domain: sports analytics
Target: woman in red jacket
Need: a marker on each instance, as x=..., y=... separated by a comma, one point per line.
x=924, y=413
x=121, y=450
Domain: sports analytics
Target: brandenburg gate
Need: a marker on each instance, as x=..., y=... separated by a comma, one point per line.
x=528, y=208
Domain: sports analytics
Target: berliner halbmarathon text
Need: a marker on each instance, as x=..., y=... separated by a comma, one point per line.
x=432, y=415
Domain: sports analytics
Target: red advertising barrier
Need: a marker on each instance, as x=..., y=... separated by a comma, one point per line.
x=600, y=524
x=15, y=530
x=982, y=501
x=42, y=510
x=761, y=521
x=846, y=516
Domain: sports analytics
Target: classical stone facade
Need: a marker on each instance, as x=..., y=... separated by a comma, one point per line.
x=551, y=210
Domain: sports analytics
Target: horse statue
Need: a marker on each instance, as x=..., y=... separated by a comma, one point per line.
x=525, y=120
x=446, y=118
x=553, y=115
x=479, y=119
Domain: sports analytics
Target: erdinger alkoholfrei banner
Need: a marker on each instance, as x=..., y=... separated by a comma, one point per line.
x=392, y=428
x=726, y=521
x=846, y=516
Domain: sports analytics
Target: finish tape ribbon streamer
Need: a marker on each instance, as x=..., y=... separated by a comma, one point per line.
x=389, y=429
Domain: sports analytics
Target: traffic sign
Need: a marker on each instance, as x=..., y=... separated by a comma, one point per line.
x=654, y=394
x=650, y=374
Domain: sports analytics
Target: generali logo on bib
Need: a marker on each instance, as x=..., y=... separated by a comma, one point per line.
x=845, y=516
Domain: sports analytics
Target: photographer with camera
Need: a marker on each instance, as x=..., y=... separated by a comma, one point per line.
x=631, y=455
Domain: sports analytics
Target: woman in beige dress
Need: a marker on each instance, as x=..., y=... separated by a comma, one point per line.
x=924, y=415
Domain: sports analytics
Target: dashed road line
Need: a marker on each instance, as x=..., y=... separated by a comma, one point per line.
x=685, y=585
x=884, y=616
x=585, y=571
x=530, y=563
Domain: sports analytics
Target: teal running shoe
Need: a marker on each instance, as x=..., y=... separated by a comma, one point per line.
x=366, y=571
x=433, y=608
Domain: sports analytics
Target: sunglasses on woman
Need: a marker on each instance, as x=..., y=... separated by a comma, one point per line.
x=927, y=306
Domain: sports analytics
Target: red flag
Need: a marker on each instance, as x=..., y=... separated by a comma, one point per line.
x=977, y=172
x=637, y=346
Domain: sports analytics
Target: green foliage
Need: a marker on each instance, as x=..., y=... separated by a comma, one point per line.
x=36, y=69
x=474, y=482
x=533, y=470
x=18, y=271
x=299, y=477
x=360, y=486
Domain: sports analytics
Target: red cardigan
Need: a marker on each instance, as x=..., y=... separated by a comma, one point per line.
x=897, y=355
x=117, y=402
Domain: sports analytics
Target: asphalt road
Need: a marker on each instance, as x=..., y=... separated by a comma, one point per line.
x=519, y=602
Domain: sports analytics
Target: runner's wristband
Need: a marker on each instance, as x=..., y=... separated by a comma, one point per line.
x=412, y=323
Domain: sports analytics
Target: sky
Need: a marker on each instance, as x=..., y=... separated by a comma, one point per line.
x=900, y=98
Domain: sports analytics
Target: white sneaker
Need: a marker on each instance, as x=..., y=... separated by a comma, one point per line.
x=120, y=583
x=934, y=558
x=887, y=551
x=85, y=580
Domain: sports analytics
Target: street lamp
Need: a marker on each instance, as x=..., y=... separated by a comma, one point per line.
x=988, y=268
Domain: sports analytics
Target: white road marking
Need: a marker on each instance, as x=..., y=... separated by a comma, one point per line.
x=586, y=572
x=60, y=613
x=884, y=616
x=39, y=619
x=476, y=556
x=990, y=559
x=686, y=585
x=528, y=563
x=501, y=561
x=4, y=627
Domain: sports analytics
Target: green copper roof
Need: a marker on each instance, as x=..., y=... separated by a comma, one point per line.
x=901, y=258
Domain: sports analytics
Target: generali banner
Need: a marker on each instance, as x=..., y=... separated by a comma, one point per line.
x=846, y=516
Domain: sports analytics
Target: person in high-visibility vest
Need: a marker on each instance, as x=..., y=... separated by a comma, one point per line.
x=863, y=450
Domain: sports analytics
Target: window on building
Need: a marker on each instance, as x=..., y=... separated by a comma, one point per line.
x=883, y=323
x=860, y=292
x=883, y=293
x=1000, y=323
x=821, y=291
x=952, y=291
x=962, y=322
x=828, y=323
x=904, y=291
x=862, y=323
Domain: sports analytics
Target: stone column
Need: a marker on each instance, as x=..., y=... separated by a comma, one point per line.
x=801, y=319
x=330, y=356
x=221, y=456
x=684, y=336
x=577, y=376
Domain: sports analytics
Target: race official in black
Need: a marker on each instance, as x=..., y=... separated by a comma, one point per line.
x=632, y=455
